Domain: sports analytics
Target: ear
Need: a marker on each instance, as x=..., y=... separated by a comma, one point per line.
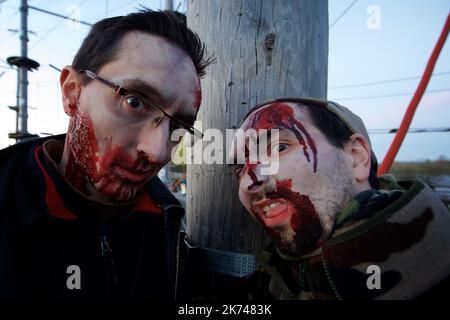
x=70, y=90
x=359, y=149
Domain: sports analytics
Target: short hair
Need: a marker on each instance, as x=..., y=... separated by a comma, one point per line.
x=102, y=44
x=334, y=129
x=336, y=132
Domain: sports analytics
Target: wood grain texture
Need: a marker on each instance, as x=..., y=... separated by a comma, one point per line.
x=265, y=49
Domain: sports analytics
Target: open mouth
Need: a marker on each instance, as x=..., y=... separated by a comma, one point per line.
x=274, y=212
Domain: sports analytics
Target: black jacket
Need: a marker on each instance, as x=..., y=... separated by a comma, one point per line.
x=46, y=228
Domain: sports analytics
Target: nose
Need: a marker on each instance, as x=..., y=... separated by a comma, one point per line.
x=154, y=142
x=252, y=181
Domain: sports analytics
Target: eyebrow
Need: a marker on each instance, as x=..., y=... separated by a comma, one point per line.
x=146, y=90
x=150, y=92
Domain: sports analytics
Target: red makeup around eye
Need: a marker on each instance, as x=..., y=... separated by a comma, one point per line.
x=282, y=115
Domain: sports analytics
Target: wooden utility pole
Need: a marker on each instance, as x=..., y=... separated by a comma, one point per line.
x=265, y=49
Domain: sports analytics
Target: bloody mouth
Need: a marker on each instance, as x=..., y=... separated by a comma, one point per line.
x=294, y=210
x=274, y=213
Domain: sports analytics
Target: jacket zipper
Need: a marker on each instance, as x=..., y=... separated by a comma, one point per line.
x=301, y=275
x=106, y=252
x=330, y=281
x=177, y=249
x=177, y=262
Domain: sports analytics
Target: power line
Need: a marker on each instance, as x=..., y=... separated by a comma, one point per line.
x=388, y=95
x=61, y=46
x=56, y=25
x=53, y=47
x=112, y=10
x=342, y=14
x=412, y=130
x=178, y=6
x=10, y=16
x=53, y=67
x=385, y=81
x=60, y=15
x=46, y=34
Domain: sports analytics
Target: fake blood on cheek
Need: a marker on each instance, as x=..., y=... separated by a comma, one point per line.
x=83, y=148
x=85, y=165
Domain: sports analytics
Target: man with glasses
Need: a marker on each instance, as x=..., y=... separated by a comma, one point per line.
x=83, y=215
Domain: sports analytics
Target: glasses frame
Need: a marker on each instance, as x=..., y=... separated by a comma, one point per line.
x=120, y=90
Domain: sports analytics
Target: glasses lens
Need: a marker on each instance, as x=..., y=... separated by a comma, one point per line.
x=132, y=107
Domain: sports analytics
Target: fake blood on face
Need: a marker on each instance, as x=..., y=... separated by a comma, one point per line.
x=305, y=221
x=83, y=148
x=115, y=173
x=249, y=169
x=282, y=115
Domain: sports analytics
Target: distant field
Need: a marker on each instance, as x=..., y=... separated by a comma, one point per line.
x=426, y=168
x=435, y=173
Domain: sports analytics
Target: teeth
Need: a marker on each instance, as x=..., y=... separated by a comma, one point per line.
x=272, y=205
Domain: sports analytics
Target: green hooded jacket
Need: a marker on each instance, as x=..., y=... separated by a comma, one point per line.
x=400, y=251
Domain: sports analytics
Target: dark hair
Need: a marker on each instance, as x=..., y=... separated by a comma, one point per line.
x=102, y=44
x=336, y=132
x=333, y=128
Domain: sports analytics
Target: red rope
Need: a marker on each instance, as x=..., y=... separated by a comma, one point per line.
x=399, y=137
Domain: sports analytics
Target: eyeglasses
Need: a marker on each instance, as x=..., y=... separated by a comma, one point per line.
x=135, y=100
